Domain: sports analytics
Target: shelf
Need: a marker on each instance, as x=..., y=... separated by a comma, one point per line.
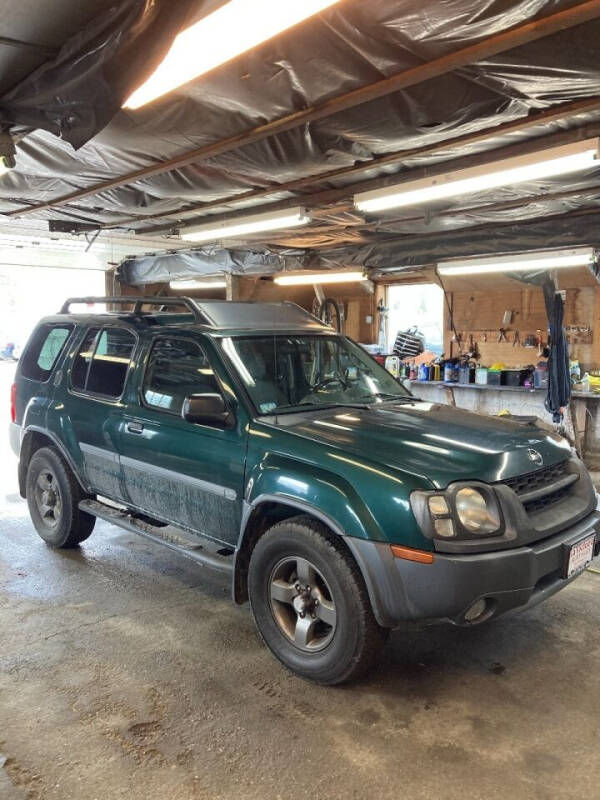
x=489, y=387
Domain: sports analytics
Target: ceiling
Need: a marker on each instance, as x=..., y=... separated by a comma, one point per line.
x=291, y=123
x=33, y=33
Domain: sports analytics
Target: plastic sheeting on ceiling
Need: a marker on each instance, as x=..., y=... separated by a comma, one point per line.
x=352, y=44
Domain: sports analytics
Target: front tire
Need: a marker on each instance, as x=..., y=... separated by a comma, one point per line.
x=53, y=496
x=310, y=603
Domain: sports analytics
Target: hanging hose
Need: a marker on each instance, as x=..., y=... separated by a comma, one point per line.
x=559, y=382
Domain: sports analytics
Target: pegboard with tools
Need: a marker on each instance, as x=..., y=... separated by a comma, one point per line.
x=520, y=314
x=508, y=346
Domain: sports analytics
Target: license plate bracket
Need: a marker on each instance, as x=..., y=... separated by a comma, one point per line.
x=578, y=555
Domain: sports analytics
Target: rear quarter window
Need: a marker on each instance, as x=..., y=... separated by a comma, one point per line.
x=43, y=351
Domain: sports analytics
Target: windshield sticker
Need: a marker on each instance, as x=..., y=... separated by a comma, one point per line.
x=266, y=407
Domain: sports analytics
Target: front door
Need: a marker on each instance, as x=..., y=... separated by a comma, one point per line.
x=187, y=474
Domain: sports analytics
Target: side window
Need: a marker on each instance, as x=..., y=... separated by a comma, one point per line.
x=176, y=369
x=43, y=351
x=83, y=359
x=102, y=362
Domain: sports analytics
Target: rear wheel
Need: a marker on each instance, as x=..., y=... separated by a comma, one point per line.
x=53, y=496
x=310, y=603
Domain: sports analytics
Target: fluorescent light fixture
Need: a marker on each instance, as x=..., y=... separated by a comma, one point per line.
x=191, y=284
x=242, y=226
x=506, y=172
x=521, y=262
x=320, y=277
x=232, y=29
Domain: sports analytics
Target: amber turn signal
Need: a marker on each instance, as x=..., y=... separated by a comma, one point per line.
x=408, y=554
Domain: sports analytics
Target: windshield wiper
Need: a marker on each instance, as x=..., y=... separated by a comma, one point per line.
x=399, y=398
x=292, y=408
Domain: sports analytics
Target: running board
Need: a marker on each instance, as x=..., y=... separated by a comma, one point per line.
x=171, y=537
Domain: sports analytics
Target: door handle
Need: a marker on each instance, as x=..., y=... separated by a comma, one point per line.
x=135, y=427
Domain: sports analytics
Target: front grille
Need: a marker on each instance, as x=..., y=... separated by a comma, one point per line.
x=523, y=484
x=541, y=482
x=548, y=500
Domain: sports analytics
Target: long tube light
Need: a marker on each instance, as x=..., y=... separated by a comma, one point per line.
x=508, y=171
x=231, y=30
x=242, y=226
x=194, y=284
x=521, y=262
x=321, y=277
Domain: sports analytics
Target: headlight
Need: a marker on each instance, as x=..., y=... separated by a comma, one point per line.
x=475, y=513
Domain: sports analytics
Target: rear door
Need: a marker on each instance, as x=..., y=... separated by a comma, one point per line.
x=183, y=473
x=97, y=379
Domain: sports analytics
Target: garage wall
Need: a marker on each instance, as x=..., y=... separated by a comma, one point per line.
x=480, y=313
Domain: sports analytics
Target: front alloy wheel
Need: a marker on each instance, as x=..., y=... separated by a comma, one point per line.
x=310, y=602
x=302, y=604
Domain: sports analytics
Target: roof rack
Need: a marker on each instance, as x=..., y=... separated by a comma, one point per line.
x=138, y=302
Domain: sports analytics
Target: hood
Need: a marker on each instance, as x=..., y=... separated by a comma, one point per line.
x=438, y=442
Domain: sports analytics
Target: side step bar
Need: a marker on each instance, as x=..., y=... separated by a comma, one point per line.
x=171, y=537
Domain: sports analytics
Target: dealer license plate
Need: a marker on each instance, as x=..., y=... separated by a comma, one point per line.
x=580, y=555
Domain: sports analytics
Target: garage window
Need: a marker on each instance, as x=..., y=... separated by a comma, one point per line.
x=102, y=361
x=43, y=351
x=176, y=369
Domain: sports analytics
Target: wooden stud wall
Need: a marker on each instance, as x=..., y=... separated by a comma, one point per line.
x=480, y=312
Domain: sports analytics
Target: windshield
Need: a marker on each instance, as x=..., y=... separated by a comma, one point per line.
x=289, y=373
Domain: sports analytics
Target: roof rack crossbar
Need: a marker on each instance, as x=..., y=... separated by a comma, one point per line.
x=138, y=302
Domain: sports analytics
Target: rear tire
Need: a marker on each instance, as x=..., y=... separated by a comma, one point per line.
x=310, y=603
x=53, y=496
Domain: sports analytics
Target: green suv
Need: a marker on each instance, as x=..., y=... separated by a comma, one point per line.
x=257, y=441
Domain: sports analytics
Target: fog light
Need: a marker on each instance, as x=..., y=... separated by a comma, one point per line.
x=444, y=527
x=477, y=610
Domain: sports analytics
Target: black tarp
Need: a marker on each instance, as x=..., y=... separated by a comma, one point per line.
x=76, y=94
x=352, y=44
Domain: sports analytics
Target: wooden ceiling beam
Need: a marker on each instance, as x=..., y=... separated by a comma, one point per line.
x=491, y=46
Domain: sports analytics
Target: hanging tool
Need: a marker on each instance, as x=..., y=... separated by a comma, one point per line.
x=472, y=352
x=539, y=342
x=502, y=336
x=517, y=339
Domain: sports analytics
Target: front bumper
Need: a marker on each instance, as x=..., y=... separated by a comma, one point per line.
x=405, y=591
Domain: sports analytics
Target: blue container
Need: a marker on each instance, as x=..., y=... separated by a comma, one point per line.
x=450, y=373
x=423, y=372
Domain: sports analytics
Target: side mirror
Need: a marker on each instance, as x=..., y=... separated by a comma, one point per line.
x=207, y=409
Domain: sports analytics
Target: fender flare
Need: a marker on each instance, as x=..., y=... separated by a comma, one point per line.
x=238, y=585
x=31, y=429
x=286, y=500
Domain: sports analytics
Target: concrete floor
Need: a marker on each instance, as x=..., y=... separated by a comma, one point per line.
x=125, y=672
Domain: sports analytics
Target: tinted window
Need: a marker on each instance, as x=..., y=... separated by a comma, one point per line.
x=83, y=359
x=43, y=351
x=176, y=369
x=102, y=362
